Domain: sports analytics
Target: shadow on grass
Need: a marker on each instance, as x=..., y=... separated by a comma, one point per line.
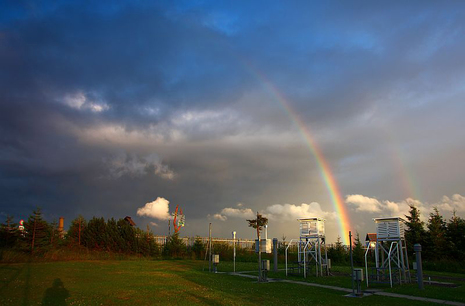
x=204, y=300
x=56, y=295
x=12, y=272
x=15, y=273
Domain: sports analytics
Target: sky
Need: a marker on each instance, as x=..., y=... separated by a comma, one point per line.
x=342, y=110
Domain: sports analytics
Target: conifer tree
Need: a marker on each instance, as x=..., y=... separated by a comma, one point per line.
x=198, y=248
x=174, y=247
x=455, y=236
x=146, y=242
x=128, y=237
x=113, y=240
x=415, y=232
x=54, y=234
x=74, y=234
x=37, y=231
x=358, y=252
x=8, y=233
x=94, y=235
x=337, y=252
x=436, y=237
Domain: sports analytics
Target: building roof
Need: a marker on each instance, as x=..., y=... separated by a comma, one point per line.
x=129, y=220
x=371, y=237
x=388, y=219
x=310, y=219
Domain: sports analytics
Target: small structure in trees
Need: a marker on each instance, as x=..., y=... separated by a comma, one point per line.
x=129, y=221
x=370, y=239
x=390, y=250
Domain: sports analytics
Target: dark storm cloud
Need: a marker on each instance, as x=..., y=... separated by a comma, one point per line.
x=130, y=58
x=104, y=107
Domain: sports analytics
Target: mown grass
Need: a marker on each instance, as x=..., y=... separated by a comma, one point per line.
x=147, y=282
x=62, y=254
x=341, y=279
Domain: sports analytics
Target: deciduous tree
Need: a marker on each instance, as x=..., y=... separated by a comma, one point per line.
x=258, y=224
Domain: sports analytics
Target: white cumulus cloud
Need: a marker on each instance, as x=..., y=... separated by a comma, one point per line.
x=363, y=203
x=289, y=212
x=245, y=213
x=386, y=208
x=238, y=212
x=220, y=217
x=277, y=212
x=158, y=209
x=401, y=209
x=457, y=203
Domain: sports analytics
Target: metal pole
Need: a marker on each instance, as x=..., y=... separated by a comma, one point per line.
x=326, y=258
x=275, y=254
x=305, y=256
x=389, y=261
x=417, y=249
x=366, y=262
x=259, y=253
x=210, y=247
x=398, y=262
x=319, y=256
x=234, y=243
x=285, y=255
x=351, y=262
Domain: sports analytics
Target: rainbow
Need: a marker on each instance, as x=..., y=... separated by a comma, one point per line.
x=409, y=185
x=325, y=169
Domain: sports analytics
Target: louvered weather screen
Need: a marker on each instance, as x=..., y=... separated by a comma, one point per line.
x=390, y=228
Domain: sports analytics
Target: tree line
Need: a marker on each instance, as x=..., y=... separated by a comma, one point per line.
x=97, y=234
x=112, y=235
x=442, y=240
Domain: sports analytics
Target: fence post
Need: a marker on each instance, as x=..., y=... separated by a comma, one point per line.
x=275, y=254
x=417, y=249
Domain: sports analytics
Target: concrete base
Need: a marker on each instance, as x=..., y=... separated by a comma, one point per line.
x=358, y=296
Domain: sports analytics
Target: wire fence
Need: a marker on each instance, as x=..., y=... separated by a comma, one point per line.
x=189, y=241
x=240, y=243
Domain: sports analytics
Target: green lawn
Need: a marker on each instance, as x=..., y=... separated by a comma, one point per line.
x=156, y=282
x=341, y=279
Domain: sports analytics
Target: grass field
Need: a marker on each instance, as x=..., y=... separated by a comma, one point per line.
x=342, y=279
x=142, y=282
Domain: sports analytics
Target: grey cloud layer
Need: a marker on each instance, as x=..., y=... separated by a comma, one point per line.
x=105, y=108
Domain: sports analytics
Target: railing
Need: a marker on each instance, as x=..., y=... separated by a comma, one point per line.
x=389, y=259
x=366, y=262
x=305, y=259
x=288, y=245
